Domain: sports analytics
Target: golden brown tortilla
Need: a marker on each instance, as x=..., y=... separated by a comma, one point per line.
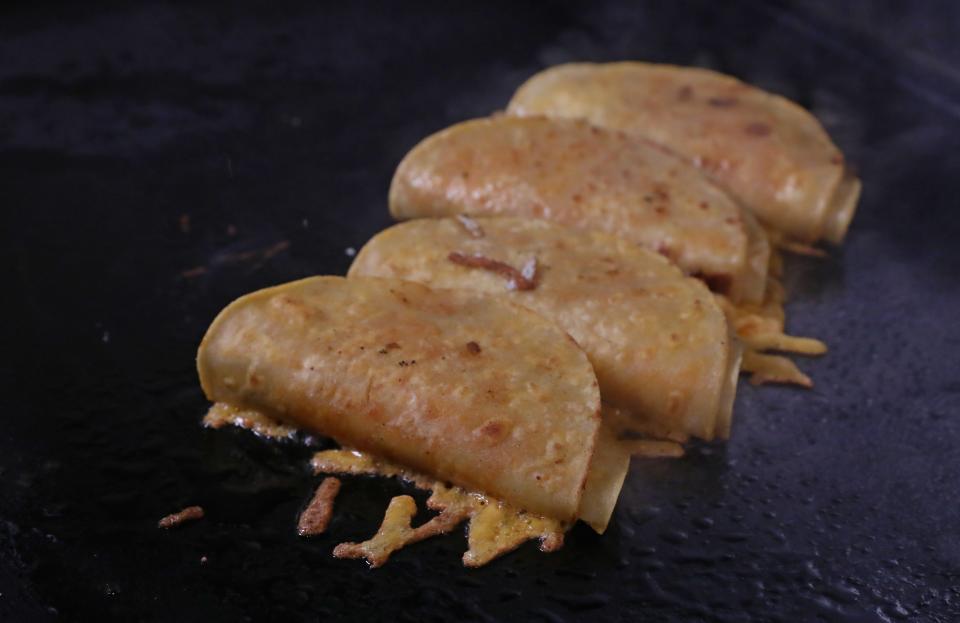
x=592, y=179
x=658, y=340
x=768, y=152
x=384, y=366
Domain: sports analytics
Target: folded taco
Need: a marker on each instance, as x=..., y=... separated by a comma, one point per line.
x=471, y=390
x=658, y=340
x=589, y=178
x=768, y=152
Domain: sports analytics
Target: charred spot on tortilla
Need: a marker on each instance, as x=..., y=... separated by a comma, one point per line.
x=386, y=349
x=722, y=102
x=757, y=129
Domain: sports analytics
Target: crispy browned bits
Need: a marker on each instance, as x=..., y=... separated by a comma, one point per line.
x=473, y=228
x=525, y=279
x=551, y=542
x=259, y=256
x=474, y=348
x=396, y=532
x=190, y=513
x=316, y=517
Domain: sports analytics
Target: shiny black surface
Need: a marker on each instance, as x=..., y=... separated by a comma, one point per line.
x=283, y=124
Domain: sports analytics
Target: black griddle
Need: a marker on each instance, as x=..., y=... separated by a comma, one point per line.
x=141, y=141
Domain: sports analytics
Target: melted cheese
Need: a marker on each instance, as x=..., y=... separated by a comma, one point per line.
x=653, y=448
x=494, y=528
x=498, y=528
x=394, y=533
x=222, y=414
x=773, y=369
x=760, y=327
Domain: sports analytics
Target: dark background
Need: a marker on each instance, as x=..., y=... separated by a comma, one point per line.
x=141, y=141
